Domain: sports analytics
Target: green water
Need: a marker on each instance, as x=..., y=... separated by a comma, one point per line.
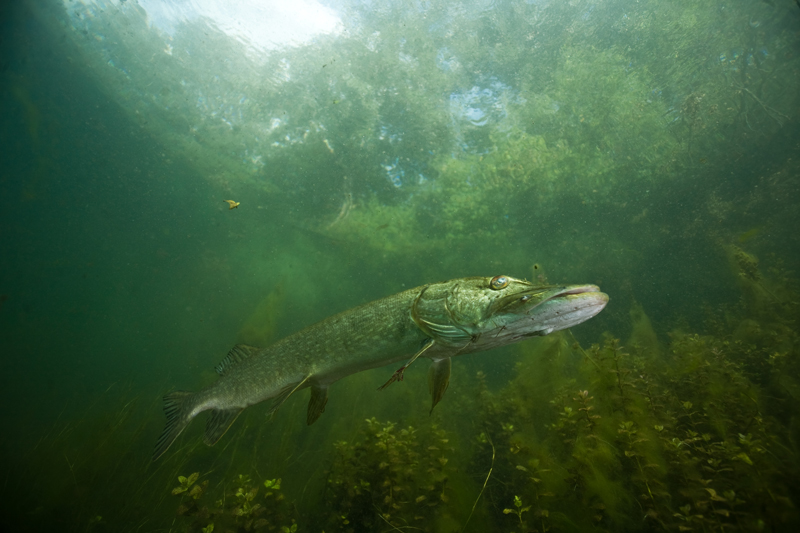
x=648, y=147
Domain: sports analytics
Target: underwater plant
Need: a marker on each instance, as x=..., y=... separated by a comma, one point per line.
x=389, y=477
x=693, y=436
x=239, y=508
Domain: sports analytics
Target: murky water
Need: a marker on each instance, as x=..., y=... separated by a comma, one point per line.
x=646, y=147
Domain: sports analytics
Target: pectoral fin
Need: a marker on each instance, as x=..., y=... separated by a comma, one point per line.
x=219, y=420
x=316, y=405
x=438, y=380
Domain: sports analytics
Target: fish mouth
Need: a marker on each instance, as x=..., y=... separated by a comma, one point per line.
x=585, y=296
x=568, y=307
x=538, y=311
x=531, y=298
x=582, y=296
x=579, y=289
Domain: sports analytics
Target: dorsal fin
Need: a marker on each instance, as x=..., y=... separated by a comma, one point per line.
x=238, y=353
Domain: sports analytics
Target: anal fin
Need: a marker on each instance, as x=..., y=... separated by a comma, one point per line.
x=438, y=380
x=219, y=421
x=316, y=405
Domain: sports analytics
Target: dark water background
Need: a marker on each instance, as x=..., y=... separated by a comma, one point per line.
x=124, y=275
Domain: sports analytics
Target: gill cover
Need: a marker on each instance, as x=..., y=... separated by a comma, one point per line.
x=435, y=311
x=455, y=312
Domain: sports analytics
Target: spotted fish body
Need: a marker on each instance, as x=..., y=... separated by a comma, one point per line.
x=436, y=321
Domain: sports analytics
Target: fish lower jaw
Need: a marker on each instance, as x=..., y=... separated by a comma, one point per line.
x=569, y=311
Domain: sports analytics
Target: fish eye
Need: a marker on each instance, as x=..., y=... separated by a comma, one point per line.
x=499, y=282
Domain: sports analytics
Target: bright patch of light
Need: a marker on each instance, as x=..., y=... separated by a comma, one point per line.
x=259, y=24
x=262, y=24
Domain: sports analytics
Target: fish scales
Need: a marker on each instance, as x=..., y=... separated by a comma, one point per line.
x=368, y=336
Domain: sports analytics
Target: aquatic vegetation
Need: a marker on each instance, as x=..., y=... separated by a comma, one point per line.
x=239, y=509
x=186, y=485
x=518, y=510
x=589, y=124
x=694, y=428
x=680, y=441
x=261, y=327
x=389, y=476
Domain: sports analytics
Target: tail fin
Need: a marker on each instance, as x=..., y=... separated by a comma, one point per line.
x=177, y=406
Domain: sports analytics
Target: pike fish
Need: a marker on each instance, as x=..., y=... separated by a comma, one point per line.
x=437, y=322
